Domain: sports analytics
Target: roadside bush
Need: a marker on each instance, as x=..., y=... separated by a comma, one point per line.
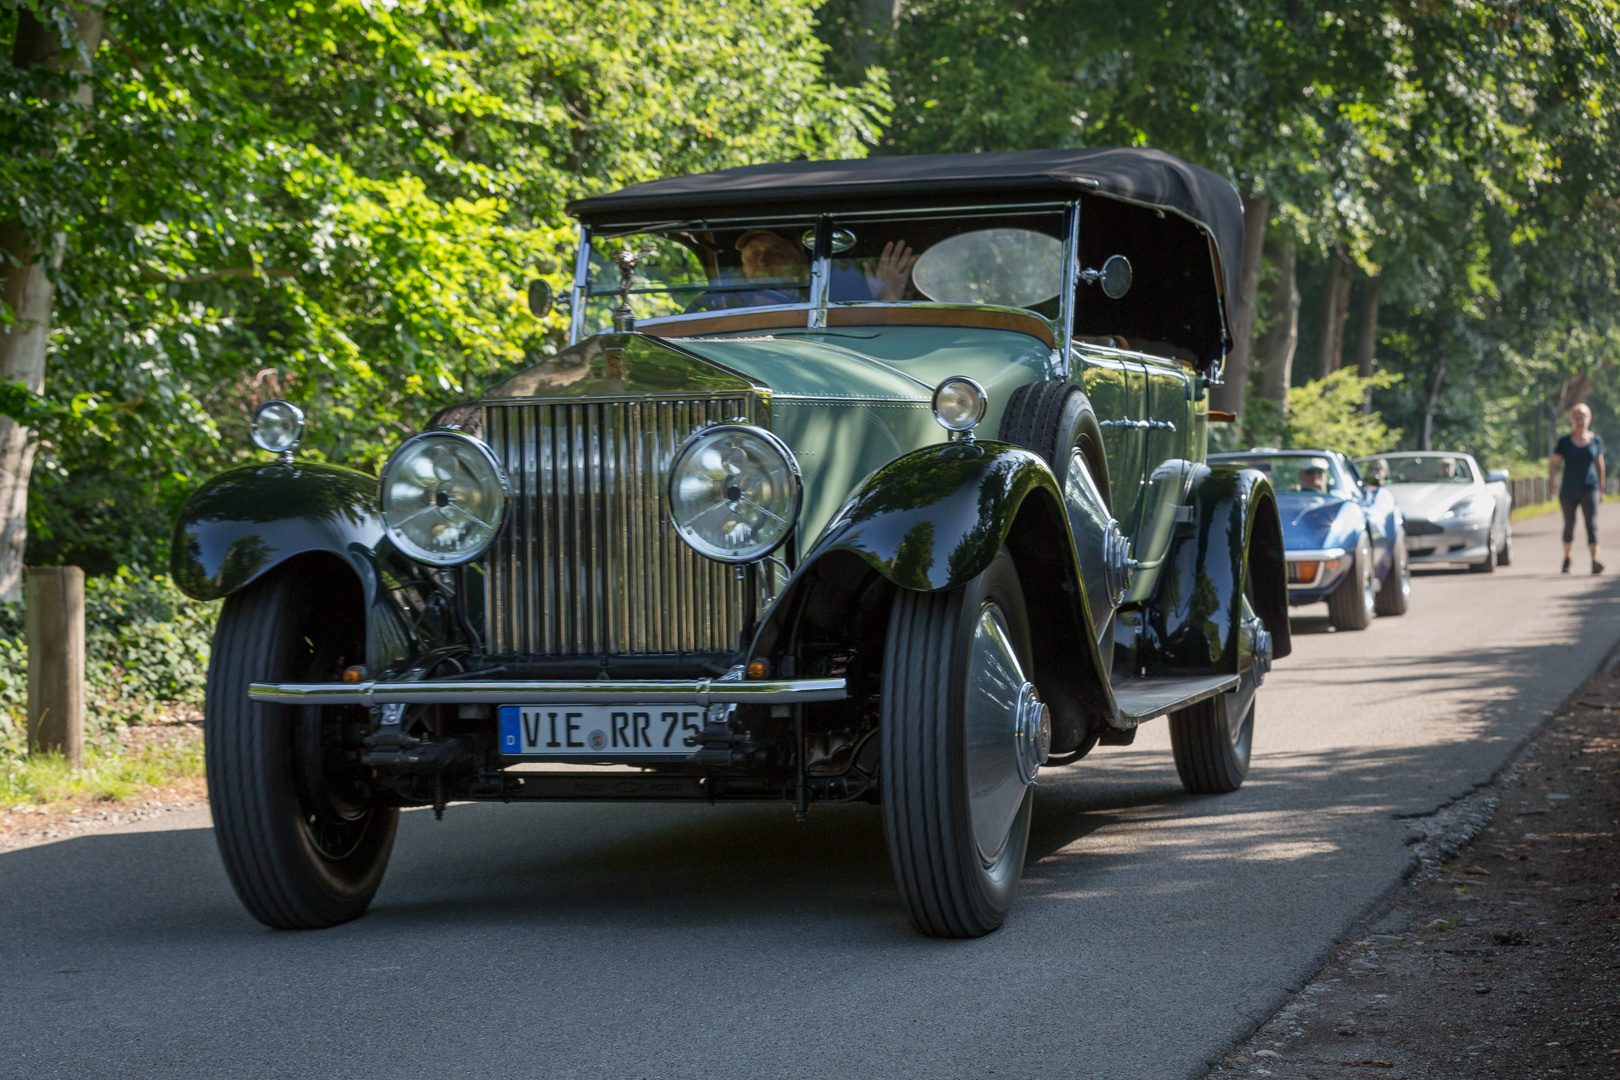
x=146, y=648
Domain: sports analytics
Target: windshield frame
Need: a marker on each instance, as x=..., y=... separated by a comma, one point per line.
x=819, y=307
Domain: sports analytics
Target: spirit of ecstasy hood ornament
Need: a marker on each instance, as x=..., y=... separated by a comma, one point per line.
x=626, y=259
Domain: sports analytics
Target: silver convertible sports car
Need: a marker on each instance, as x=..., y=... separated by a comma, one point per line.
x=1455, y=511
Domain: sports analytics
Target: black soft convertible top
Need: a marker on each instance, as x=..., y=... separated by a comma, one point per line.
x=1149, y=178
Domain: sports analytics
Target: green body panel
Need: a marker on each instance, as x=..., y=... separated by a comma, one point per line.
x=849, y=401
x=1115, y=385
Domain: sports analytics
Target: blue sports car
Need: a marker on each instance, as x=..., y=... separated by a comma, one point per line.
x=1345, y=542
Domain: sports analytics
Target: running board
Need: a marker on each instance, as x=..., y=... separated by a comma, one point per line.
x=1143, y=699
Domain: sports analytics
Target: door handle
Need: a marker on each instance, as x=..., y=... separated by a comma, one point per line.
x=1139, y=425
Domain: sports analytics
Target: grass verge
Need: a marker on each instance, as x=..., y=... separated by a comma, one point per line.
x=112, y=772
x=1534, y=510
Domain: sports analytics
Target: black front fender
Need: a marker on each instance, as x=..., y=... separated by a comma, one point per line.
x=1236, y=535
x=933, y=519
x=244, y=523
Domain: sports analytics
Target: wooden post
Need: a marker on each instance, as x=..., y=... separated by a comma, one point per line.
x=56, y=661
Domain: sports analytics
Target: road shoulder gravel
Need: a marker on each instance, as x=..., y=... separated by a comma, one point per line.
x=1500, y=955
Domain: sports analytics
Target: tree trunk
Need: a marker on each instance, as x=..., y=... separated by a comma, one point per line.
x=1434, y=399
x=1274, y=352
x=1367, y=335
x=878, y=20
x=1335, y=305
x=1228, y=397
x=1577, y=388
x=27, y=289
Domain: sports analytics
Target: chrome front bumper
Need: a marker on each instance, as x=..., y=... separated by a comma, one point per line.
x=554, y=692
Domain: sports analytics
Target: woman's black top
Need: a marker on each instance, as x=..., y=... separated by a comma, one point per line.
x=1580, y=464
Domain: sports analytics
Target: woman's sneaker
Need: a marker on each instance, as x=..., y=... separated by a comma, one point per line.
x=1597, y=567
x=1565, y=570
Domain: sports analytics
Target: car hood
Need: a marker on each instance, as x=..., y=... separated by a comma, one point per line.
x=1429, y=501
x=1312, y=521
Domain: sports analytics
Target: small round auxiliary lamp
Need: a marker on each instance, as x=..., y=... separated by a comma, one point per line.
x=959, y=404
x=278, y=426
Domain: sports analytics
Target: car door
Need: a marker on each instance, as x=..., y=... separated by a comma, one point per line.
x=1117, y=387
x=1166, y=469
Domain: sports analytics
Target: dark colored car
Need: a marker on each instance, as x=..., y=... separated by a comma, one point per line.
x=1346, y=541
x=872, y=481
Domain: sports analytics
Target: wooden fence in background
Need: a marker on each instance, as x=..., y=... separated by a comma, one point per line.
x=1529, y=490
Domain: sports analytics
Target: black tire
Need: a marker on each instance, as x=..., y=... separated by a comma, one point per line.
x=948, y=887
x=302, y=844
x=1351, y=605
x=1487, y=565
x=1213, y=740
x=1394, y=594
x=1053, y=418
x=1504, y=554
x=1211, y=757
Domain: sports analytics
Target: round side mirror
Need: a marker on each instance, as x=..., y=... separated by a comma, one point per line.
x=1116, y=276
x=539, y=298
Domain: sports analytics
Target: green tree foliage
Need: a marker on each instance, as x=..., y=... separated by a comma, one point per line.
x=1328, y=412
x=1464, y=154
x=341, y=204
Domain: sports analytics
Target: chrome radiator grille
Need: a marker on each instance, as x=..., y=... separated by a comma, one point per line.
x=587, y=564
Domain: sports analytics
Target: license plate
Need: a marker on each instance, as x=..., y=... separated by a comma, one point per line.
x=596, y=730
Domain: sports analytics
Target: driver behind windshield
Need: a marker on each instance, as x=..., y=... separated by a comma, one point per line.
x=1313, y=478
x=770, y=257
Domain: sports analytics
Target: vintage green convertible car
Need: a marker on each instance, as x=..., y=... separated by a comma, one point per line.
x=871, y=480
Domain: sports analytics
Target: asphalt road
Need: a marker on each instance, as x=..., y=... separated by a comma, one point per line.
x=1153, y=931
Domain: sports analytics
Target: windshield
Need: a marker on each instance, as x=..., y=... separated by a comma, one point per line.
x=1298, y=472
x=1429, y=469
x=1010, y=259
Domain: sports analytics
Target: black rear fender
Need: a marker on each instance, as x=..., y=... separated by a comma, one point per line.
x=1192, y=623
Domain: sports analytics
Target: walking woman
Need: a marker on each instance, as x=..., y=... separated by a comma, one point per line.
x=1581, y=454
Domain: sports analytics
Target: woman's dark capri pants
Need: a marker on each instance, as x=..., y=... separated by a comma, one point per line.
x=1588, y=502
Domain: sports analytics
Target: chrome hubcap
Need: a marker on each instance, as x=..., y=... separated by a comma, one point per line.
x=1008, y=732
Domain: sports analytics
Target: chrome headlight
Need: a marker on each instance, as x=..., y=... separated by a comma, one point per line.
x=734, y=492
x=278, y=426
x=443, y=497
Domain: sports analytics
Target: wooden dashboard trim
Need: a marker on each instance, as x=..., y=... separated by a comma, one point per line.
x=733, y=322
x=931, y=316
x=726, y=324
